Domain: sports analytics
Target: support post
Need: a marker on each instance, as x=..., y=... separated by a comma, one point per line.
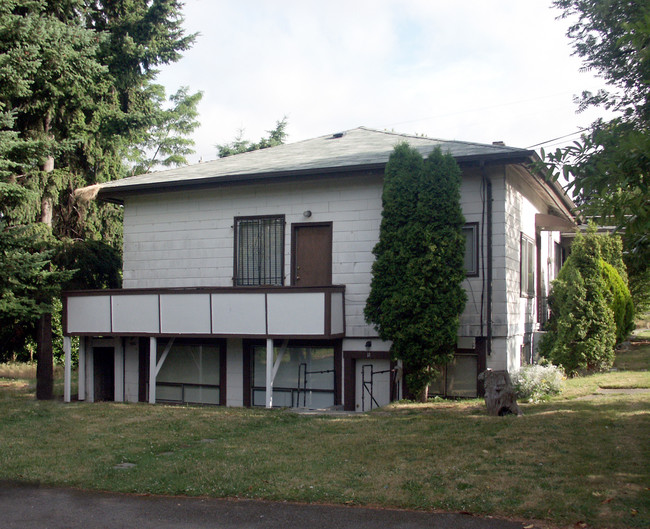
x=82, y=368
x=67, y=349
x=269, y=372
x=118, y=347
x=153, y=344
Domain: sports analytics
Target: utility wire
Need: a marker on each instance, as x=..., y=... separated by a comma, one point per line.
x=580, y=131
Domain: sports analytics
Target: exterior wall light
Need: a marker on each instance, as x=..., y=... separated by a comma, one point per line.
x=306, y=214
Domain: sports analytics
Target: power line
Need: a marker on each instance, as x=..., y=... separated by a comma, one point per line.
x=580, y=131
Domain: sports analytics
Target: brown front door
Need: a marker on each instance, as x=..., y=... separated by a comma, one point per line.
x=311, y=255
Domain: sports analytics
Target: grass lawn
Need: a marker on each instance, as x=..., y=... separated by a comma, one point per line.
x=581, y=457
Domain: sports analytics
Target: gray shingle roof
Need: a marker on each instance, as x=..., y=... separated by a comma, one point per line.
x=358, y=148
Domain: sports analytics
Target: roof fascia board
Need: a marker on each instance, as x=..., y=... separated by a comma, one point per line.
x=118, y=194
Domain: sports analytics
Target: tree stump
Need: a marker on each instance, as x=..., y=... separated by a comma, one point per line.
x=500, y=396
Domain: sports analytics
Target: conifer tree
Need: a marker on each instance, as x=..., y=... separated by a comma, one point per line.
x=78, y=94
x=416, y=295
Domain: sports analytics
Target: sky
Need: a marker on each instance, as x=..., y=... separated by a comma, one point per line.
x=471, y=70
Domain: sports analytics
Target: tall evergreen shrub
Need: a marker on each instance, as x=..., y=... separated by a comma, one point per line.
x=416, y=294
x=582, y=331
x=619, y=300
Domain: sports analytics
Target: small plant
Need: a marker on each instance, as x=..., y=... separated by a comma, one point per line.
x=538, y=382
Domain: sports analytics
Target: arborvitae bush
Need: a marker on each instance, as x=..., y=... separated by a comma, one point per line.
x=619, y=300
x=582, y=331
x=416, y=295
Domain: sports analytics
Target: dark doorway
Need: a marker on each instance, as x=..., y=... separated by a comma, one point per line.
x=104, y=373
x=311, y=246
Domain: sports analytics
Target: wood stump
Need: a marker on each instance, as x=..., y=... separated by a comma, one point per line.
x=500, y=397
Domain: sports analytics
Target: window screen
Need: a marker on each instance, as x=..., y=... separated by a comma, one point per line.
x=259, y=250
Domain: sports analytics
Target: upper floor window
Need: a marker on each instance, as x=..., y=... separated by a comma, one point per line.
x=259, y=250
x=470, y=231
x=527, y=266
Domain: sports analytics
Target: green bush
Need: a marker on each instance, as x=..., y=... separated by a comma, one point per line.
x=538, y=382
x=619, y=300
x=582, y=331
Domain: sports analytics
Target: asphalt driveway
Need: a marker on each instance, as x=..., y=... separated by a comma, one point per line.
x=28, y=506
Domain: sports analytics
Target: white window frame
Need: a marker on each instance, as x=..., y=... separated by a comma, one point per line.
x=470, y=231
x=527, y=266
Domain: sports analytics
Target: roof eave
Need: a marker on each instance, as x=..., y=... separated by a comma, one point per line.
x=117, y=195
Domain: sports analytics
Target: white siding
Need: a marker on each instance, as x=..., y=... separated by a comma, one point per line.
x=186, y=239
x=520, y=203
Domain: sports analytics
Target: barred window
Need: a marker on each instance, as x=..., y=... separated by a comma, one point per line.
x=259, y=250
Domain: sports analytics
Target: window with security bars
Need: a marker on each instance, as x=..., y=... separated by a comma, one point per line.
x=259, y=250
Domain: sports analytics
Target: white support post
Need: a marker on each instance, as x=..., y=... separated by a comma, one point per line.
x=67, y=349
x=153, y=344
x=82, y=368
x=118, y=347
x=269, y=372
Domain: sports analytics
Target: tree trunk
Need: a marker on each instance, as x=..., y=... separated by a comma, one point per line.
x=500, y=398
x=44, y=361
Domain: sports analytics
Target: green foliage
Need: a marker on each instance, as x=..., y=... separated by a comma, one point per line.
x=582, y=331
x=28, y=283
x=167, y=137
x=416, y=295
x=275, y=137
x=619, y=300
x=538, y=382
x=94, y=264
x=77, y=98
x=609, y=168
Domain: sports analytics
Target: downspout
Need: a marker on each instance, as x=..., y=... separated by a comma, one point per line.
x=488, y=199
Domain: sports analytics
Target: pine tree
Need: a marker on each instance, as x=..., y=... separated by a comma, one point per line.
x=416, y=295
x=77, y=95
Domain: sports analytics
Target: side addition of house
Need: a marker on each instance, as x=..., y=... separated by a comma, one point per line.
x=245, y=278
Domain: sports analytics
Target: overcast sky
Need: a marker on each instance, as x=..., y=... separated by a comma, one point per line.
x=473, y=70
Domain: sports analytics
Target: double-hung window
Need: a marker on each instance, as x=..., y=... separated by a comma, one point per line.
x=527, y=270
x=259, y=250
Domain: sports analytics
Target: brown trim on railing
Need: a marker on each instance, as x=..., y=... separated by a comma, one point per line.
x=204, y=336
x=270, y=289
x=328, y=313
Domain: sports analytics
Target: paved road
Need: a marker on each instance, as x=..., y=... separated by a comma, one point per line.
x=24, y=506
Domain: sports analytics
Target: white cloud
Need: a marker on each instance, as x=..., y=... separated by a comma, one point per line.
x=475, y=70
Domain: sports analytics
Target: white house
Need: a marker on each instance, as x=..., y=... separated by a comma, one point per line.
x=245, y=278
